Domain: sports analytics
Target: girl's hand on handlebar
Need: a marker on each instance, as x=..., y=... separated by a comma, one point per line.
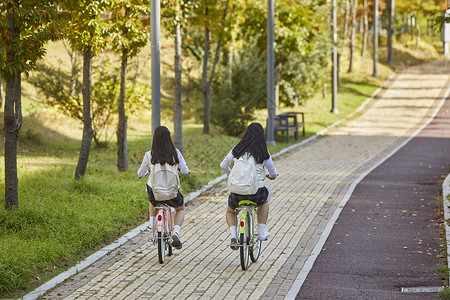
x=271, y=178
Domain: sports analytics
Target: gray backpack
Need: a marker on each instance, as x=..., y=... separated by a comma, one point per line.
x=163, y=180
x=243, y=179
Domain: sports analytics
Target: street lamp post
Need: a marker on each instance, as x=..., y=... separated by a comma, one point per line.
x=375, y=37
x=155, y=15
x=270, y=74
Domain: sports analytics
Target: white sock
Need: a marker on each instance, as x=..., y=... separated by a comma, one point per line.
x=176, y=229
x=233, y=231
x=152, y=222
x=261, y=228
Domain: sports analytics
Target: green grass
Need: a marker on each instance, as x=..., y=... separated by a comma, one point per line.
x=61, y=221
x=445, y=293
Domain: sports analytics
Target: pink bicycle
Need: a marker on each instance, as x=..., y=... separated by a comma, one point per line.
x=162, y=232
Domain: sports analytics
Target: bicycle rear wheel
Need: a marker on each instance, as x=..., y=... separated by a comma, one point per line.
x=161, y=237
x=244, y=239
x=161, y=247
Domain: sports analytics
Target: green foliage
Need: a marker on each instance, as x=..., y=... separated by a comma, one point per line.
x=32, y=135
x=87, y=28
x=54, y=85
x=175, y=11
x=445, y=293
x=126, y=28
x=36, y=22
x=233, y=109
x=302, y=44
x=59, y=218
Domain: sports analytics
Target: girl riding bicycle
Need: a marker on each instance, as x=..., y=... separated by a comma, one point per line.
x=163, y=151
x=253, y=142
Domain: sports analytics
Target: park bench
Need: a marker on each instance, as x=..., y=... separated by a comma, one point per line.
x=288, y=123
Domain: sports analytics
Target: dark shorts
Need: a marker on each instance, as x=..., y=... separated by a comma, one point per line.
x=259, y=198
x=175, y=202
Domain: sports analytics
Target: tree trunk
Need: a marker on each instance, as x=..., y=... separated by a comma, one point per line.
x=230, y=68
x=366, y=30
x=188, y=88
x=205, y=87
x=177, y=103
x=418, y=35
x=12, y=121
x=206, y=83
x=12, y=125
x=1, y=92
x=324, y=88
x=352, y=35
x=276, y=95
x=86, y=140
x=122, y=146
x=346, y=17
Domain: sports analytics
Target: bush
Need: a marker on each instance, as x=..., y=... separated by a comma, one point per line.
x=233, y=109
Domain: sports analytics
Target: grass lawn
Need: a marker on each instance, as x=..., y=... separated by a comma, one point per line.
x=60, y=221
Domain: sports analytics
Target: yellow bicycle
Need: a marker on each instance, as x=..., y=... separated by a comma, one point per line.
x=249, y=243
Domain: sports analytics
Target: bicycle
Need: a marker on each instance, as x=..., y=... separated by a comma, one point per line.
x=249, y=243
x=162, y=231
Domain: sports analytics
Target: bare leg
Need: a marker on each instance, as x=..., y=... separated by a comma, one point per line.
x=231, y=217
x=179, y=215
x=179, y=218
x=263, y=213
x=151, y=210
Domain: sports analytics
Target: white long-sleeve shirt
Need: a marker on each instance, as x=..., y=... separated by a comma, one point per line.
x=144, y=169
x=268, y=163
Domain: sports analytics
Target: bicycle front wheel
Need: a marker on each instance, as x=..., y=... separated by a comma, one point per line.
x=244, y=240
x=255, y=243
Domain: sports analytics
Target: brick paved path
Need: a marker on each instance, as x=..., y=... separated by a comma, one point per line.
x=314, y=179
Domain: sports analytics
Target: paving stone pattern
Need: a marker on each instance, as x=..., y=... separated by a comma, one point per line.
x=313, y=180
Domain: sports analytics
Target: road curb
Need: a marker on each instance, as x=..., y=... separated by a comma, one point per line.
x=446, y=205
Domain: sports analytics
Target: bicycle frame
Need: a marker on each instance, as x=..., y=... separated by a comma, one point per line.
x=163, y=221
x=247, y=207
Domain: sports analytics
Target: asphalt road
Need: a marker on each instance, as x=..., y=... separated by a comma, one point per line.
x=388, y=236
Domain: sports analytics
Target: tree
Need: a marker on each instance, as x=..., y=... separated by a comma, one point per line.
x=416, y=9
x=129, y=37
x=25, y=27
x=207, y=15
x=175, y=15
x=302, y=45
x=365, y=28
x=87, y=33
x=354, y=6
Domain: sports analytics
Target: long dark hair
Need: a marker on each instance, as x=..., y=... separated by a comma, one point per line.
x=163, y=150
x=254, y=143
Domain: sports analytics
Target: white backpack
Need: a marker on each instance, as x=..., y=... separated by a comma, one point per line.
x=243, y=179
x=163, y=180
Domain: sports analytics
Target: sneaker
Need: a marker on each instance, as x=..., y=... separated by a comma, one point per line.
x=234, y=244
x=176, y=240
x=264, y=236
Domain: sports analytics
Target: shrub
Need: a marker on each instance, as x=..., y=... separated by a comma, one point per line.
x=233, y=109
